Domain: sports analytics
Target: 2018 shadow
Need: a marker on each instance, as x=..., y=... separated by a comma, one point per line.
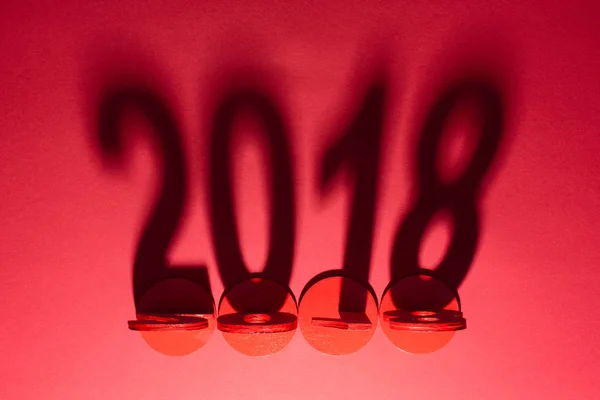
x=360, y=145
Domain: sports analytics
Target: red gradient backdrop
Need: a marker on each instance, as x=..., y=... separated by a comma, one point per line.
x=69, y=226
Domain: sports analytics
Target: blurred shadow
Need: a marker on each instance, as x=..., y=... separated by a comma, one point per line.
x=278, y=266
x=338, y=273
x=358, y=151
x=253, y=297
x=459, y=197
x=118, y=101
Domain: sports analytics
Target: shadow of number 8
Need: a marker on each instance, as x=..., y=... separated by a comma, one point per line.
x=458, y=197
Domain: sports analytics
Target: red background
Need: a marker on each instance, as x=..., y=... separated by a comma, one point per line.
x=69, y=227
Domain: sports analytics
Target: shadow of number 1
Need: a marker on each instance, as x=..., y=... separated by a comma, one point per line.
x=359, y=150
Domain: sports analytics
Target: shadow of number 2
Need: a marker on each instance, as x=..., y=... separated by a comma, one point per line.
x=150, y=263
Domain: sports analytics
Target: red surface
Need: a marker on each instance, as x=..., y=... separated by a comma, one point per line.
x=69, y=226
x=330, y=330
x=257, y=336
x=417, y=292
x=176, y=298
